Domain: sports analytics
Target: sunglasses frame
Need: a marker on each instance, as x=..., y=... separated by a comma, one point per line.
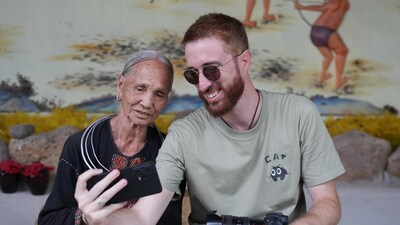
x=192, y=74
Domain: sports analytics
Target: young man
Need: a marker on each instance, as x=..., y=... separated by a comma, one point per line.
x=247, y=152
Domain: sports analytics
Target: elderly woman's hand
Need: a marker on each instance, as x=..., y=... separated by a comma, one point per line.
x=92, y=203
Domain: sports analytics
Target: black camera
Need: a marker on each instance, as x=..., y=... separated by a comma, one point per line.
x=275, y=218
x=272, y=218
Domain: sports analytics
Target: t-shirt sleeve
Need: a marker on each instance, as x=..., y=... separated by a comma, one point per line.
x=170, y=159
x=320, y=161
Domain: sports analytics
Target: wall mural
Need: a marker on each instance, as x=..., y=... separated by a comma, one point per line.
x=70, y=52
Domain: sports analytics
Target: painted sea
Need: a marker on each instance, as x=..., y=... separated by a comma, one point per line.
x=185, y=103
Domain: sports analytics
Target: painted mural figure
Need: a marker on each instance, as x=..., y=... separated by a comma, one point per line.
x=325, y=36
x=267, y=17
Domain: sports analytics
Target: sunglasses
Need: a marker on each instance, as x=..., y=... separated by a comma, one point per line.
x=211, y=72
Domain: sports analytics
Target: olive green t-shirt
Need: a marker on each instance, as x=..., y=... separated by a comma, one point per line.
x=250, y=173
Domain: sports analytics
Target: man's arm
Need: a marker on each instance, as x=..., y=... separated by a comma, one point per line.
x=325, y=209
x=147, y=211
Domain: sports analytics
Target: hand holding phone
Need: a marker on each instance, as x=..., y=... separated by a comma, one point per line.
x=142, y=180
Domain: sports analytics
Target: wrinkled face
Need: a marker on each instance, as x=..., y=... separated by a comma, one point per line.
x=221, y=95
x=144, y=92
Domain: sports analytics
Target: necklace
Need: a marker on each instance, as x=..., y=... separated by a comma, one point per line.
x=255, y=111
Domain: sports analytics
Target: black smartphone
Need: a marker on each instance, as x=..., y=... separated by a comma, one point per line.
x=142, y=180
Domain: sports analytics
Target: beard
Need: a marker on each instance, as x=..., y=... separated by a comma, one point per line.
x=233, y=92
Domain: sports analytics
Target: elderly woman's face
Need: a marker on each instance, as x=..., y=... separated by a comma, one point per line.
x=144, y=92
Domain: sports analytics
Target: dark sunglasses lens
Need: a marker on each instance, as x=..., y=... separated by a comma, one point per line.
x=191, y=76
x=211, y=72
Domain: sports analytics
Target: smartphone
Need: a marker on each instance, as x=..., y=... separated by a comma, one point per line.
x=142, y=180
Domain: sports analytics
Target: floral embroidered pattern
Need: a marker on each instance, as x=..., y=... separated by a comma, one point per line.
x=118, y=162
x=136, y=161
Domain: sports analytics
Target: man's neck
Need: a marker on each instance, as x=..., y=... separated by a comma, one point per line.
x=241, y=116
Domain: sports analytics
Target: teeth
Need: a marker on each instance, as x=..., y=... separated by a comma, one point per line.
x=212, y=95
x=142, y=113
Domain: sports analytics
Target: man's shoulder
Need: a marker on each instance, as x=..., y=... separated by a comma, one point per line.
x=279, y=97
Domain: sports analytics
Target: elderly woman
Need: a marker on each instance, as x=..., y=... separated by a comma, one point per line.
x=124, y=139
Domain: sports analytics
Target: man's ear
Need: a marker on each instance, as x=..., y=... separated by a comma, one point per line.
x=245, y=60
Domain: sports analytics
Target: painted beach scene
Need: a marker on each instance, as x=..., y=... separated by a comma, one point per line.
x=62, y=53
